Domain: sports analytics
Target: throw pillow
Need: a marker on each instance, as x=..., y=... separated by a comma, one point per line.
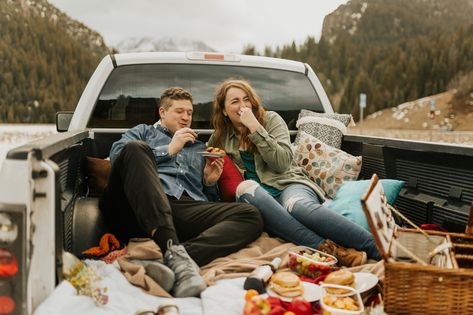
x=327, y=166
x=344, y=118
x=347, y=202
x=329, y=128
x=229, y=180
x=97, y=175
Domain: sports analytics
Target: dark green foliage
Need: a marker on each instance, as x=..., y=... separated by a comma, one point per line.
x=45, y=60
x=400, y=50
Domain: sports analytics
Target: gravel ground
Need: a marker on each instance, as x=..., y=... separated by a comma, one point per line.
x=457, y=137
x=13, y=135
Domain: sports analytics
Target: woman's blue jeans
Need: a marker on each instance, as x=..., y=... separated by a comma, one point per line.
x=297, y=216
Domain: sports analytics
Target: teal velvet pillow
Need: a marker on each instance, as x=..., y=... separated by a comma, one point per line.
x=347, y=201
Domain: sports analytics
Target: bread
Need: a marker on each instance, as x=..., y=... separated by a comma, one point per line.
x=340, y=277
x=215, y=150
x=286, y=284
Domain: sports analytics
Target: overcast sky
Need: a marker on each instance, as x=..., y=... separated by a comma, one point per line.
x=224, y=25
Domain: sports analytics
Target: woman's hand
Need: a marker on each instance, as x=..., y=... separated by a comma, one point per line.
x=212, y=170
x=248, y=119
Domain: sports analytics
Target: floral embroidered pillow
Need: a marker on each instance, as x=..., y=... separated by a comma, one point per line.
x=327, y=166
x=329, y=128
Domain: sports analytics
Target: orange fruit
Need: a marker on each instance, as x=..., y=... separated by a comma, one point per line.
x=250, y=294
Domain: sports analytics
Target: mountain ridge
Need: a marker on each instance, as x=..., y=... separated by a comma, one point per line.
x=146, y=44
x=75, y=29
x=394, y=51
x=400, y=18
x=419, y=41
x=46, y=59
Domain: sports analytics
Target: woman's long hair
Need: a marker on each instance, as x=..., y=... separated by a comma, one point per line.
x=222, y=124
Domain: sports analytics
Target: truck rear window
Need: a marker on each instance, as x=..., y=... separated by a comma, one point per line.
x=131, y=94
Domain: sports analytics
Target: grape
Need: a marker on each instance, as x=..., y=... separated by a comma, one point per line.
x=305, y=262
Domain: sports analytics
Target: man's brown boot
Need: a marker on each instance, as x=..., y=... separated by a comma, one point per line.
x=348, y=257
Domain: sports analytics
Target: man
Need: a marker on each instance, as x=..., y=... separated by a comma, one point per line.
x=157, y=188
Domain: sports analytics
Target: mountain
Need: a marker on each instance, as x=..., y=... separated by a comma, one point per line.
x=144, y=44
x=384, y=21
x=395, y=51
x=46, y=59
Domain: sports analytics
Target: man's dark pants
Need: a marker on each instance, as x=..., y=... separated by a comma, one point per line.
x=134, y=204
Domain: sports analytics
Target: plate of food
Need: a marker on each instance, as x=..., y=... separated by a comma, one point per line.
x=213, y=152
x=360, y=281
x=287, y=286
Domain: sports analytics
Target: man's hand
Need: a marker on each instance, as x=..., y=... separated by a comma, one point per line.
x=213, y=170
x=180, y=138
x=248, y=119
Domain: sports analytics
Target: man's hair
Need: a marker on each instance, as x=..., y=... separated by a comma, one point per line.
x=173, y=93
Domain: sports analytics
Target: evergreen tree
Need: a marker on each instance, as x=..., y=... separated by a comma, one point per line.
x=400, y=51
x=45, y=61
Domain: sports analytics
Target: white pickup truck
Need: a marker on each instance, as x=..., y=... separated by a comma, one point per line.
x=45, y=206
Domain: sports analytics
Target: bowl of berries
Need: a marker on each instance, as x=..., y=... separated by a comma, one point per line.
x=310, y=262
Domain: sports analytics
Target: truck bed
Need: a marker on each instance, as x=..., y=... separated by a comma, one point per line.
x=438, y=180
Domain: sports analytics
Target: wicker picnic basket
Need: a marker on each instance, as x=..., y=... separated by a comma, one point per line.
x=426, y=272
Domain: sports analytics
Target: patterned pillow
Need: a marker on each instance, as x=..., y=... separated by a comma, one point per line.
x=327, y=166
x=329, y=128
x=344, y=118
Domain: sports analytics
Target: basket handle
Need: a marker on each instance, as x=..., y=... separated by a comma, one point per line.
x=469, y=227
x=410, y=222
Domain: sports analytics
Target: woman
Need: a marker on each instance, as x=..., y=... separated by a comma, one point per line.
x=258, y=142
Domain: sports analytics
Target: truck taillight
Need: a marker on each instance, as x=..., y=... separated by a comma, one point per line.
x=205, y=56
x=12, y=261
x=7, y=305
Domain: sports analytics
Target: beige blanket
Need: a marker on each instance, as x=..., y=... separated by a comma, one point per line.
x=262, y=251
x=239, y=264
x=144, y=249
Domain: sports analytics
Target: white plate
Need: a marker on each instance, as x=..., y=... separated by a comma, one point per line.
x=210, y=154
x=365, y=281
x=312, y=292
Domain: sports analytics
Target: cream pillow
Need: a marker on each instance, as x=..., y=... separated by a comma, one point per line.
x=327, y=166
x=328, y=128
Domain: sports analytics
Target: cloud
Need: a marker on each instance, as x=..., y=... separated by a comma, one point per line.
x=224, y=25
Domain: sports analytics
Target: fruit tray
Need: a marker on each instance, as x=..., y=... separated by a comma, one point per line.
x=310, y=262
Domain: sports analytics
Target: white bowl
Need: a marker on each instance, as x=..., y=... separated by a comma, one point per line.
x=351, y=293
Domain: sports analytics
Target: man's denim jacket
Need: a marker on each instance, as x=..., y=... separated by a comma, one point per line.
x=181, y=172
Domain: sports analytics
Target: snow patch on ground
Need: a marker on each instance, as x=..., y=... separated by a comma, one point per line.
x=14, y=135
